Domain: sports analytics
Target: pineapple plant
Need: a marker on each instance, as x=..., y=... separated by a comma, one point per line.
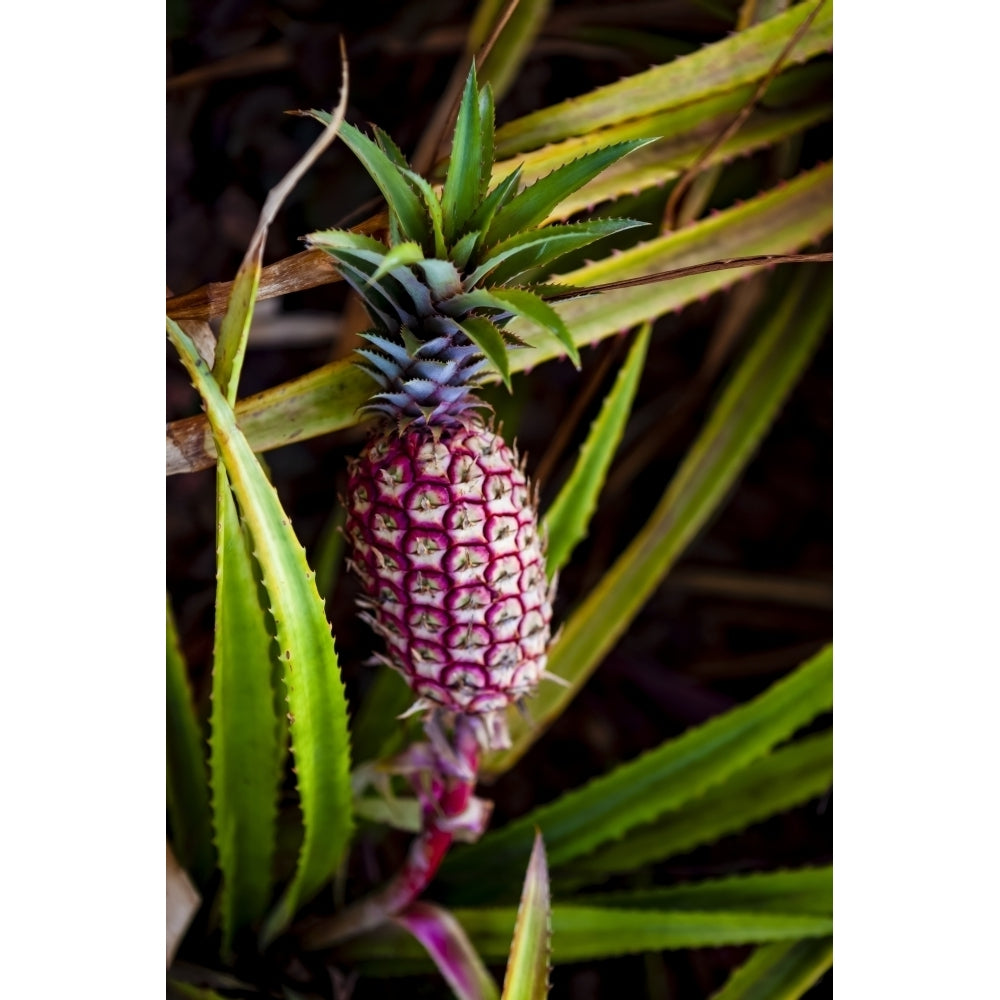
x=442, y=521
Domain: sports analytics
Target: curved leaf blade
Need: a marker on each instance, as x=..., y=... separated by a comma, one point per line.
x=741, y=58
x=780, y=971
x=542, y=248
x=500, y=66
x=490, y=341
x=465, y=169
x=534, y=203
x=585, y=933
x=246, y=757
x=747, y=407
x=527, y=976
x=567, y=519
x=402, y=200
x=785, y=778
x=452, y=952
x=804, y=890
x=319, y=734
x=782, y=220
x=639, y=791
x=187, y=776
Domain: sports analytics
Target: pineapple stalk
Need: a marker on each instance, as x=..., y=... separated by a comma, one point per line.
x=442, y=523
x=441, y=519
x=443, y=776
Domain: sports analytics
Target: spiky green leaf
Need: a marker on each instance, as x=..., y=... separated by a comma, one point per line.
x=743, y=57
x=402, y=200
x=245, y=756
x=490, y=341
x=781, y=220
x=735, y=427
x=535, y=202
x=784, y=970
x=486, y=130
x=388, y=146
x=461, y=186
x=434, y=212
x=319, y=734
x=567, y=518
x=659, y=781
x=527, y=975
x=513, y=302
x=804, y=890
x=540, y=248
x=584, y=933
x=514, y=43
x=505, y=189
x=784, y=778
x=187, y=776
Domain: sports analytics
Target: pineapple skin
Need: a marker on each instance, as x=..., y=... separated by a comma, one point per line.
x=446, y=542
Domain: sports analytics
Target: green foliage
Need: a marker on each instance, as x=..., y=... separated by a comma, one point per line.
x=787, y=777
x=318, y=712
x=187, y=780
x=528, y=963
x=782, y=971
x=747, y=407
x=488, y=239
x=662, y=780
x=580, y=933
x=246, y=755
x=567, y=518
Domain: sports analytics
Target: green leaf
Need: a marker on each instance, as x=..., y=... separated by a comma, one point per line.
x=535, y=202
x=434, y=212
x=567, y=519
x=245, y=755
x=388, y=146
x=505, y=189
x=787, y=777
x=746, y=409
x=400, y=254
x=781, y=220
x=527, y=975
x=489, y=340
x=318, y=729
x=501, y=66
x=585, y=933
x=486, y=130
x=805, y=890
x=462, y=250
x=235, y=329
x=639, y=791
x=449, y=947
x=187, y=777
x=403, y=202
x=781, y=971
x=465, y=168
x=517, y=302
x=541, y=247
x=743, y=57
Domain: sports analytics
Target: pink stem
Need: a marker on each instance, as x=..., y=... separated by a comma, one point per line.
x=450, y=795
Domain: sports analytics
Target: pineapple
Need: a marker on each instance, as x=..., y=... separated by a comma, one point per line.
x=442, y=522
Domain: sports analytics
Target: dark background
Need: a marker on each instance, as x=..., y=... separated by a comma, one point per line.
x=750, y=598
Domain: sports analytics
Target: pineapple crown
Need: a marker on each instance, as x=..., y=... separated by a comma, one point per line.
x=460, y=263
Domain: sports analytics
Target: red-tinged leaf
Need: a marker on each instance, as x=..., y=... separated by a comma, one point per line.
x=527, y=975
x=449, y=946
